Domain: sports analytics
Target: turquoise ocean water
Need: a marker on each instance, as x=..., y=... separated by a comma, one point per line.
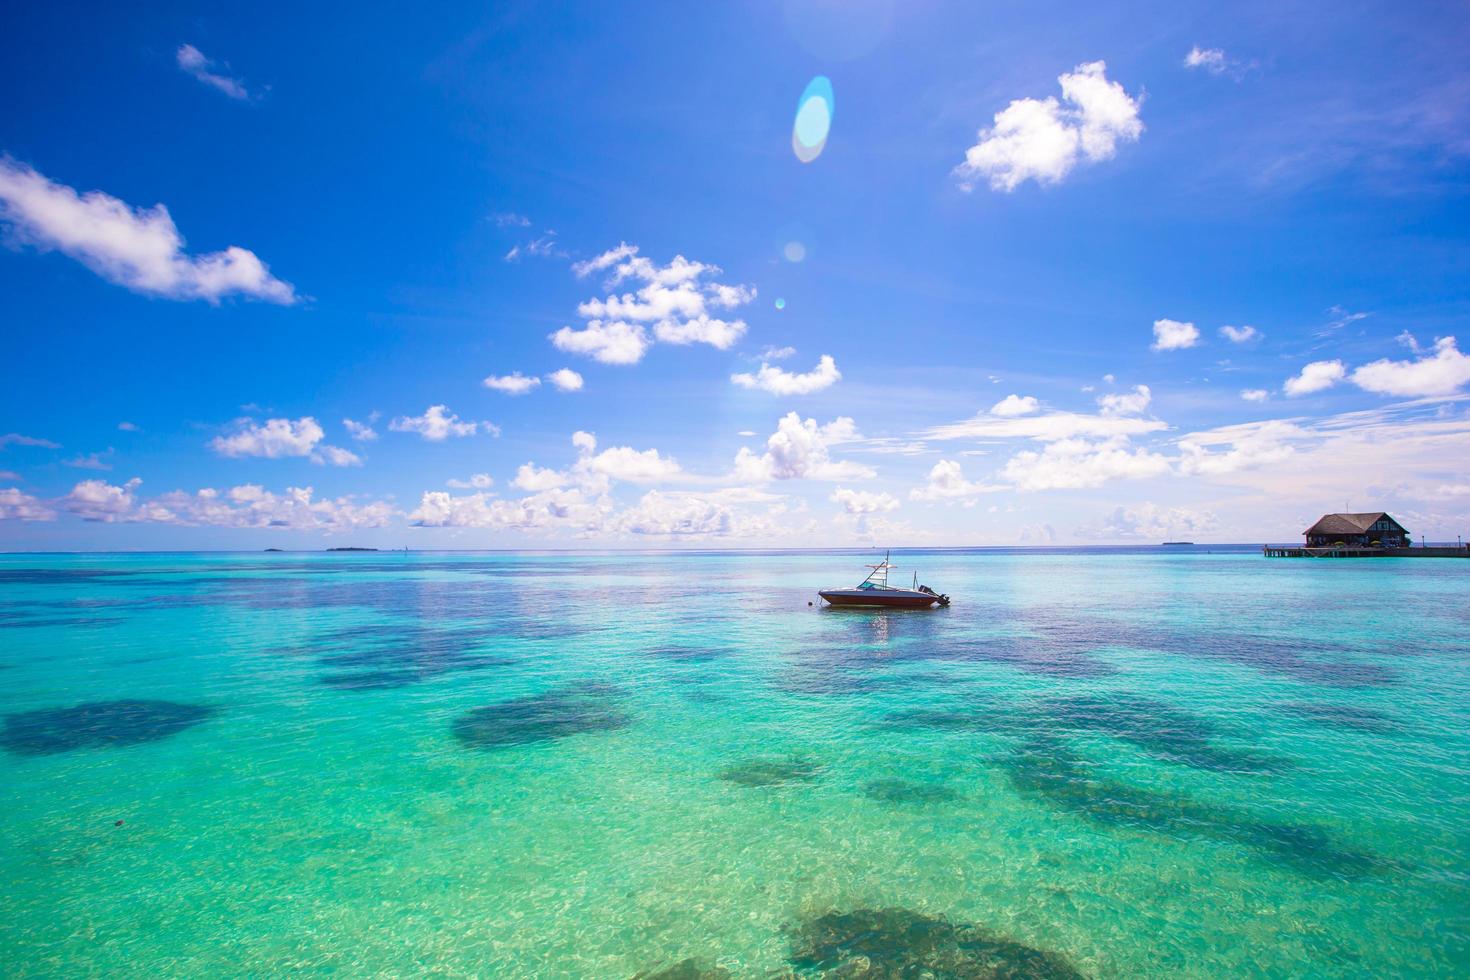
x=1103, y=762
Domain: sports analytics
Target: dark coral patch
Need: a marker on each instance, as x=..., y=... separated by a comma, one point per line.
x=900, y=943
x=771, y=772
x=1160, y=729
x=98, y=724
x=1347, y=716
x=541, y=718
x=907, y=791
x=690, y=969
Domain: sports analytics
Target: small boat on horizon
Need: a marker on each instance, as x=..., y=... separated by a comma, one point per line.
x=875, y=591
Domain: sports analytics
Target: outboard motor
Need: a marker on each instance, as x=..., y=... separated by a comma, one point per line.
x=943, y=599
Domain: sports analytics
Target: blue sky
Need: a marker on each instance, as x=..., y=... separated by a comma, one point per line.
x=989, y=311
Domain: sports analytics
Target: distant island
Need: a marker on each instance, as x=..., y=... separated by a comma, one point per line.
x=1178, y=544
x=273, y=549
x=352, y=549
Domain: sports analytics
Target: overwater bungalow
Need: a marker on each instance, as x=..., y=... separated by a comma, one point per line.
x=1371, y=530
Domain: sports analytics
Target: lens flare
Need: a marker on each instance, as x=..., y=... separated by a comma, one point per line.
x=794, y=251
x=780, y=304
x=813, y=119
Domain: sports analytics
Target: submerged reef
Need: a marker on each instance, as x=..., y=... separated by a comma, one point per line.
x=1045, y=768
x=541, y=718
x=690, y=969
x=907, y=791
x=98, y=724
x=394, y=655
x=1162, y=730
x=771, y=772
x=899, y=943
x=1345, y=716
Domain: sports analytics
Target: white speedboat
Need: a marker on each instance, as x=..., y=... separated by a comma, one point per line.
x=875, y=591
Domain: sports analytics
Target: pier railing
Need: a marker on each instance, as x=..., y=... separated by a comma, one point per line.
x=1296, y=551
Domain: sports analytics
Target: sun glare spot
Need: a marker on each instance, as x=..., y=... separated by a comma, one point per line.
x=813, y=120
x=794, y=251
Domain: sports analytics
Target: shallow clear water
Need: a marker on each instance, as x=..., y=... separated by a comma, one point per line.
x=1142, y=763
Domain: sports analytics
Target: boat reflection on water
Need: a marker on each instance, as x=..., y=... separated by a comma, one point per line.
x=874, y=591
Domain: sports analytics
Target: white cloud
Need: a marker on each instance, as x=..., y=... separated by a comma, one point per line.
x=335, y=456
x=90, y=461
x=801, y=450
x=479, y=481
x=947, y=482
x=1211, y=60
x=275, y=439
x=779, y=381
x=16, y=439
x=1013, y=405
x=584, y=441
x=1239, y=335
x=1317, y=376
x=128, y=427
x=610, y=343
x=631, y=465
x=360, y=431
x=1442, y=373
x=1132, y=403
x=777, y=353
x=512, y=384
x=534, y=479
x=139, y=249
x=1254, y=394
x=863, y=501
x=1151, y=522
x=1174, y=334
x=252, y=506
x=436, y=424
x=17, y=506
x=565, y=379
x=555, y=508
x=1077, y=463
x=1047, y=427
x=676, y=299
x=509, y=219
x=1249, y=446
x=192, y=61
x=98, y=500
x=545, y=246
x=1043, y=140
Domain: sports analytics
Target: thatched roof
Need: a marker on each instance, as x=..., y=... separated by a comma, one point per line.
x=1347, y=523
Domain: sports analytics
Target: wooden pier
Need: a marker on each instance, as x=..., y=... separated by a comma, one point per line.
x=1293, y=551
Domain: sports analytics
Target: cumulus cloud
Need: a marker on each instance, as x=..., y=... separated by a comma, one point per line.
x=335, y=456
x=1044, y=139
x=1233, y=448
x=1239, y=335
x=779, y=381
x=610, y=343
x=676, y=301
x=1012, y=405
x=139, y=249
x=436, y=424
x=863, y=501
x=479, y=481
x=98, y=500
x=947, y=482
x=1443, y=372
x=512, y=384
x=1151, y=522
x=1078, y=463
x=1128, y=403
x=1174, y=334
x=361, y=431
x=192, y=61
x=555, y=508
x=89, y=461
x=18, y=506
x=565, y=379
x=1316, y=376
x=1254, y=394
x=534, y=479
x=274, y=439
x=631, y=465
x=800, y=449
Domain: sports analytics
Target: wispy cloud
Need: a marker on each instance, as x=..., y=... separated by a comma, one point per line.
x=139, y=249
x=193, y=62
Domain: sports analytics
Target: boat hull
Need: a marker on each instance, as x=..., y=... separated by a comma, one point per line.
x=879, y=598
